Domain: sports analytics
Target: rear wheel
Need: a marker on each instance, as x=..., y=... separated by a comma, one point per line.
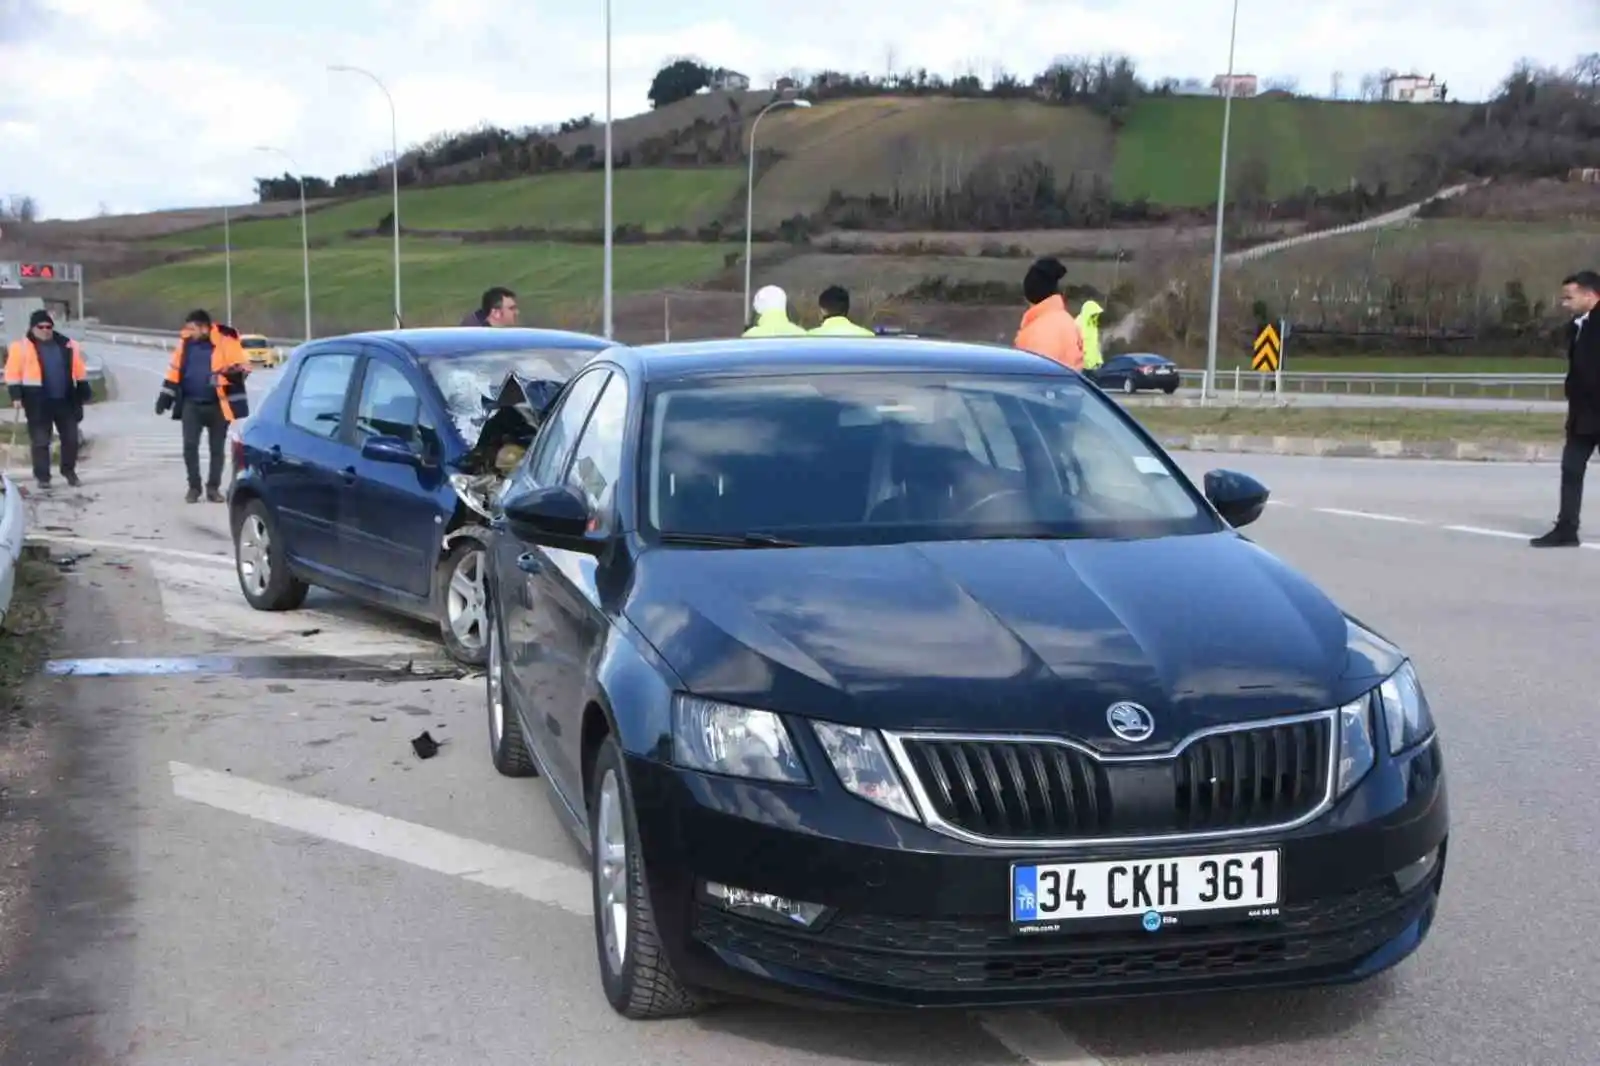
x=258, y=558
x=1169, y=389
x=638, y=979
x=463, y=602
x=1128, y=386
x=507, y=747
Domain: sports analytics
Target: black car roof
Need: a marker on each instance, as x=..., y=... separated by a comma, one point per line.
x=785, y=355
x=448, y=341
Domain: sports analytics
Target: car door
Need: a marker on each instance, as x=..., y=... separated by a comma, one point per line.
x=390, y=517
x=566, y=606
x=520, y=566
x=301, y=472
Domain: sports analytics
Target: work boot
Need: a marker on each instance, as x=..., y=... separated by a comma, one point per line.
x=192, y=497
x=73, y=480
x=1560, y=537
x=215, y=496
x=42, y=482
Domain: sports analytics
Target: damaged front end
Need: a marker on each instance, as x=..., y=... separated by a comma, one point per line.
x=515, y=414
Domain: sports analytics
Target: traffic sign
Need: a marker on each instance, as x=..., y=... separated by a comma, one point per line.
x=14, y=275
x=1268, y=350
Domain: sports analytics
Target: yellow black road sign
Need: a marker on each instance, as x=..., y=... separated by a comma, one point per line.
x=1268, y=350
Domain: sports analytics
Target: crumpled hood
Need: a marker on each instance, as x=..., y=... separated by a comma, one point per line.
x=1003, y=635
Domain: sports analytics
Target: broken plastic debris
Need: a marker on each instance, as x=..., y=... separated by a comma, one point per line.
x=425, y=746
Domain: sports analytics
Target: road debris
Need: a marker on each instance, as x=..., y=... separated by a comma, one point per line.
x=425, y=746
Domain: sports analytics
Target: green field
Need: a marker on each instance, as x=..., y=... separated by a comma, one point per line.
x=352, y=283
x=656, y=199
x=1170, y=149
x=1353, y=423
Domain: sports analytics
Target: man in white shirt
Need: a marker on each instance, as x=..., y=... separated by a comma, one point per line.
x=1580, y=294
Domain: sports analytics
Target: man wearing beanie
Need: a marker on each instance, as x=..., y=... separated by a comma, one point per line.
x=1048, y=328
x=49, y=383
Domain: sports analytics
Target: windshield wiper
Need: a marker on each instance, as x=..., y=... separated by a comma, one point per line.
x=730, y=540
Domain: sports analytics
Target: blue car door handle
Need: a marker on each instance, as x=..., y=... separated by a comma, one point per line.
x=349, y=475
x=530, y=563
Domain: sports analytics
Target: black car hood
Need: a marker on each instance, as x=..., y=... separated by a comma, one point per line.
x=1033, y=636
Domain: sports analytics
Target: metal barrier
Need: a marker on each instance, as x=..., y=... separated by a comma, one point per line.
x=1515, y=386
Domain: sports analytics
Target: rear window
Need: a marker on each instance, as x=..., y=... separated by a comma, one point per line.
x=1150, y=359
x=253, y=342
x=881, y=458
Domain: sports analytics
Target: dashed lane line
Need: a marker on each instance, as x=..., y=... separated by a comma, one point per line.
x=1031, y=1036
x=1476, y=531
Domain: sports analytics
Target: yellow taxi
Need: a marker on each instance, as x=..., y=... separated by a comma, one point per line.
x=259, y=351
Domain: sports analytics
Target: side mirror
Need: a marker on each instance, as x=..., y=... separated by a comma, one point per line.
x=1239, y=498
x=556, y=516
x=390, y=450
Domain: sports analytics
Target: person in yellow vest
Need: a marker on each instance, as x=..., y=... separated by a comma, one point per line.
x=835, y=305
x=49, y=384
x=1089, y=326
x=204, y=389
x=771, y=307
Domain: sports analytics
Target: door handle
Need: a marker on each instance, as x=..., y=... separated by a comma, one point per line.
x=530, y=563
x=275, y=453
x=349, y=475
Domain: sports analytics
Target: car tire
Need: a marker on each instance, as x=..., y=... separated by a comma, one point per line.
x=259, y=562
x=1128, y=386
x=508, y=748
x=461, y=591
x=634, y=971
x=1169, y=389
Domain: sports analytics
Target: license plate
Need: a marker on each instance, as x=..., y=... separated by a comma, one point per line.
x=1059, y=892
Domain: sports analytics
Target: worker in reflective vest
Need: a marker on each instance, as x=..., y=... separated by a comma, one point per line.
x=49, y=384
x=204, y=389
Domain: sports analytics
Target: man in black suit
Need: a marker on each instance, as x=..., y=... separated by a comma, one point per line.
x=1580, y=294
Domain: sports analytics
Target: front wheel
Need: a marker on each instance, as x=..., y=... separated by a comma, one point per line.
x=463, y=602
x=638, y=979
x=508, y=749
x=1128, y=386
x=258, y=558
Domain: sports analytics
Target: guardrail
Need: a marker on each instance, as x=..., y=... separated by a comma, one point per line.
x=1512, y=386
x=13, y=525
x=154, y=338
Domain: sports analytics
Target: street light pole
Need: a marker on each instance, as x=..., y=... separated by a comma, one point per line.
x=305, y=231
x=606, y=281
x=394, y=150
x=1208, y=386
x=227, y=264
x=750, y=188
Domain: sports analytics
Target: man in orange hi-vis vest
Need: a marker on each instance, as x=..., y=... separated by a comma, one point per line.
x=204, y=389
x=49, y=384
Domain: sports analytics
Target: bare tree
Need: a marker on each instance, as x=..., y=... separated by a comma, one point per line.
x=20, y=209
x=1285, y=84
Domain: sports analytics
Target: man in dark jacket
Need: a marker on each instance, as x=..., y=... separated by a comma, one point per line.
x=48, y=382
x=498, y=308
x=1580, y=294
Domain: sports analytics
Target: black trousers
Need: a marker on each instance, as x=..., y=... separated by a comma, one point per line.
x=1574, y=461
x=47, y=418
x=207, y=417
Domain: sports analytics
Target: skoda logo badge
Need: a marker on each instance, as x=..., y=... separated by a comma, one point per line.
x=1129, y=721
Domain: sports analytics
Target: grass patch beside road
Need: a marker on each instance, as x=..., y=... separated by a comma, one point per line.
x=1353, y=424
x=25, y=638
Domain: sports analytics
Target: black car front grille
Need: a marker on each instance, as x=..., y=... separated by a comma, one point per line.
x=1038, y=790
x=981, y=955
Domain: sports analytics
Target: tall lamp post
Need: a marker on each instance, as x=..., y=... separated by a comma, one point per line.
x=394, y=149
x=1208, y=387
x=305, y=233
x=227, y=264
x=607, y=268
x=750, y=188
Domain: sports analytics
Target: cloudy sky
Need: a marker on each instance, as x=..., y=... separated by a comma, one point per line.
x=131, y=105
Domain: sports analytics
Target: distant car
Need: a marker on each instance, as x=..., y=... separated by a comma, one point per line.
x=1140, y=372
x=914, y=673
x=259, y=350
x=367, y=469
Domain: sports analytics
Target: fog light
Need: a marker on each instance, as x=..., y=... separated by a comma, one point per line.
x=765, y=906
x=1409, y=877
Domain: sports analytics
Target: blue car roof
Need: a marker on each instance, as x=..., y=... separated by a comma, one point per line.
x=782, y=355
x=448, y=341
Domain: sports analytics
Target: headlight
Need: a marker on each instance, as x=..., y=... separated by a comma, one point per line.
x=864, y=767
x=1356, y=751
x=1405, y=709
x=720, y=738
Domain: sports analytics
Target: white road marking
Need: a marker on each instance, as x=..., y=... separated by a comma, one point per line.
x=1036, y=1039
x=1372, y=515
x=121, y=545
x=1505, y=534
x=533, y=878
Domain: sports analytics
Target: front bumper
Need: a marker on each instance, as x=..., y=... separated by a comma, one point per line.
x=916, y=919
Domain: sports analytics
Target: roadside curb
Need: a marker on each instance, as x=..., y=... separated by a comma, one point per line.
x=1338, y=448
x=13, y=526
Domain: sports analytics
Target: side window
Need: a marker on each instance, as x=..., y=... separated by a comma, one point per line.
x=998, y=439
x=317, y=403
x=390, y=407
x=597, y=460
x=559, y=433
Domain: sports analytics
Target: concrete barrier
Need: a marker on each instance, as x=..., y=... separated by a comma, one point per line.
x=13, y=526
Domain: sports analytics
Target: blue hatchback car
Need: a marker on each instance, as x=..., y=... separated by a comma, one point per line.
x=368, y=468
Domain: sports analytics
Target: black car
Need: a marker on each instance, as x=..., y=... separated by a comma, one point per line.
x=1136, y=372
x=916, y=673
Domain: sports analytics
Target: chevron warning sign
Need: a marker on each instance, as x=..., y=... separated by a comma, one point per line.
x=1268, y=350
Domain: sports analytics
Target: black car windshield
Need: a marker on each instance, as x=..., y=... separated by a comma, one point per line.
x=466, y=381
x=857, y=458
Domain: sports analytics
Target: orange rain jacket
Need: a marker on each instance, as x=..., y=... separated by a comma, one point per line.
x=229, y=368
x=25, y=377
x=1048, y=329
